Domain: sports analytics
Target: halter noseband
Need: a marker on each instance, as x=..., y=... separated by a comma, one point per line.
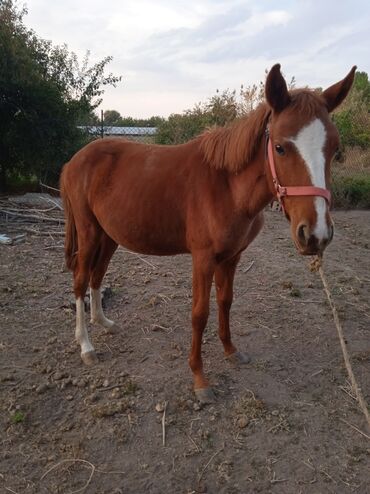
x=281, y=191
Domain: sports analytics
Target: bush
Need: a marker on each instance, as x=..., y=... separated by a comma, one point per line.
x=351, y=192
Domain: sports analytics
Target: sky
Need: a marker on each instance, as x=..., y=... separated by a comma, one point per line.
x=172, y=54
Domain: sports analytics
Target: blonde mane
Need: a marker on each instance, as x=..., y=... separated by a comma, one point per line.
x=233, y=147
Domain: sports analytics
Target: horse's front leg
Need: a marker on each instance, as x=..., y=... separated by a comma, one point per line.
x=224, y=279
x=203, y=270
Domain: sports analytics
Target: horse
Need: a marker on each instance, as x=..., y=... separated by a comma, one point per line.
x=204, y=198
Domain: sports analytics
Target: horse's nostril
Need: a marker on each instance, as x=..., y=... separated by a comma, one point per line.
x=302, y=234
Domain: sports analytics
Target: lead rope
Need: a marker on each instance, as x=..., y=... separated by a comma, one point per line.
x=316, y=265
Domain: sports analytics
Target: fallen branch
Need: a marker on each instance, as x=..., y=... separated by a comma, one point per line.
x=48, y=187
x=43, y=234
x=56, y=203
x=22, y=210
x=32, y=216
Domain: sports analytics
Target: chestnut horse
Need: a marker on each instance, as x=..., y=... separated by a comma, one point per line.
x=205, y=198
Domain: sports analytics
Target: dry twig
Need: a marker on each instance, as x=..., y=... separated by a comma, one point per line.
x=208, y=463
x=11, y=490
x=48, y=187
x=32, y=216
x=316, y=265
x=355, y=428
x=248, y=268
x=164, y=424
x=141, y=258
x=85, y=463
x=74, y=460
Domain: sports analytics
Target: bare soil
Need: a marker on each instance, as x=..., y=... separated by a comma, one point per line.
x=282, y=424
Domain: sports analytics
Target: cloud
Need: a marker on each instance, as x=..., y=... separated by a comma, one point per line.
x=173, y=53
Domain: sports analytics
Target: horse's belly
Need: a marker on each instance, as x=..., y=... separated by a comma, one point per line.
x=147, y=237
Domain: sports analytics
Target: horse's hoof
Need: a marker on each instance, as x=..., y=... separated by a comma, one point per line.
x=89, y=358
x=239, y=358
x=205, y=395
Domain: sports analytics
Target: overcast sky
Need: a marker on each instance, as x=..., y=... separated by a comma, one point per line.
x=174, y=53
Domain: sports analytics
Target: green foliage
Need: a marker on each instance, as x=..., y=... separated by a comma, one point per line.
x=114, y=118
x=18, y=417
x=178, y=128
x=350, y=192
x=44, y=94
x=353, y=117
x=222, y=108
x=219, y=110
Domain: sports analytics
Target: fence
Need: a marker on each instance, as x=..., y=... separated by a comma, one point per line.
x=139, y=134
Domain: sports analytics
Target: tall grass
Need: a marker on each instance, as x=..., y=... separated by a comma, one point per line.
x=351, y=179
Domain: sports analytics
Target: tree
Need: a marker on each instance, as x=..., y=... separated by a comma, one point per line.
x=221, y=109
x=112, y=118
x=141, y=122
x=179, y=128
x=44, y=94
x=353, y=117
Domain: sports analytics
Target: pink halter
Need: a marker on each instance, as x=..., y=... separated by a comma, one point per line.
x=282, y=191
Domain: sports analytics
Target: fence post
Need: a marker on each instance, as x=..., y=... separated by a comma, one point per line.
x=101, y=124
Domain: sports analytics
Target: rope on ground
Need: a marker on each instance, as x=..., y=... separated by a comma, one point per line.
x=316, y=265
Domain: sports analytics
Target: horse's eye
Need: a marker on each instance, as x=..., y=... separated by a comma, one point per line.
x=279, y=149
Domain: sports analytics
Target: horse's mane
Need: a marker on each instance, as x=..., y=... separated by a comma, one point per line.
x=233, y=147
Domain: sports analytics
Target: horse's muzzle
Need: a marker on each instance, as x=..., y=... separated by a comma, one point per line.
x=308, y=243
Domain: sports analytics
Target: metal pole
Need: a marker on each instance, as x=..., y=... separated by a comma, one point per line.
x=101, y=124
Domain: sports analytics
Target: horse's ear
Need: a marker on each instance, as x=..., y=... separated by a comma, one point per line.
x=336, y=93
x=276, y=90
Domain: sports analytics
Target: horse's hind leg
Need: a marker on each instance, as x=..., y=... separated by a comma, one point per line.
x=106, y=250
x=88, y=232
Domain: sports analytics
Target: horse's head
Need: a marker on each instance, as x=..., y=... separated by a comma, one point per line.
x=303, y=141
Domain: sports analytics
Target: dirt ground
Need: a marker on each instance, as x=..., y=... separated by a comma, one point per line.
x=285, y=423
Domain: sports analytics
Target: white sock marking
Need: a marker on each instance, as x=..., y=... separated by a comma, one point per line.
x=310, y=142
x=97, y=314
x=81, y=331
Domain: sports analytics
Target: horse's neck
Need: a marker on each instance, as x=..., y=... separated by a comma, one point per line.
x=250, y=189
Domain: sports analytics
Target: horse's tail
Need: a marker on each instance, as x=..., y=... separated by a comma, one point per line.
x=71, y=241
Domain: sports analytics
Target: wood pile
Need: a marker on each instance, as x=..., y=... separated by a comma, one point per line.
x=37, y=214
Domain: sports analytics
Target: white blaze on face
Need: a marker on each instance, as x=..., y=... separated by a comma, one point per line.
x=310, y=142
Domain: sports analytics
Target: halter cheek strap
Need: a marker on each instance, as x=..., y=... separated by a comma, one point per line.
x=281, y=191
